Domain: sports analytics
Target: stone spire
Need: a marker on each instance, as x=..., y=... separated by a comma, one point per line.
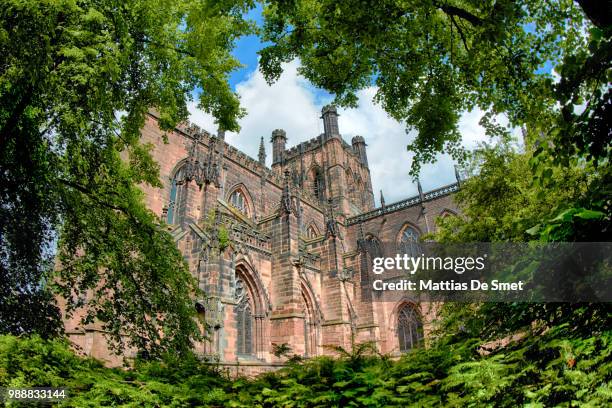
x=382, y=199
x=262, y=152
x=421, y=198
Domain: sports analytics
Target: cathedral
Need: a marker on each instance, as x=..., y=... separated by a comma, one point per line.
x=283, y=253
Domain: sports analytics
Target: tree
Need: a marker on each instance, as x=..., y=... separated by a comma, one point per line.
x=76, y=79
x=431, y=60
x=509, y=200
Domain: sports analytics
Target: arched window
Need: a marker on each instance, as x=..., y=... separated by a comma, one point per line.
x=178, y=192
x=373, y=246
x=311, y=232
x=409, y=242
x=409, y=328
x=244, y=319
x=238, y=200
x=318, y=184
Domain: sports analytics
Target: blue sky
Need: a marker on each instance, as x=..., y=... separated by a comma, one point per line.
x=246, y=50
x=294, y=104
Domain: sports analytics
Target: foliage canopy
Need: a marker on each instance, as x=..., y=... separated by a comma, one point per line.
x=76, y=80
x=432, y=60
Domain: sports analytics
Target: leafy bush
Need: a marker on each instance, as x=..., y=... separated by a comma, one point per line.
x=34, y=362
x=548, y=370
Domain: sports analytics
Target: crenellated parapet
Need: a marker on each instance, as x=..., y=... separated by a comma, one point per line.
x=311, y=145
x=205, y=138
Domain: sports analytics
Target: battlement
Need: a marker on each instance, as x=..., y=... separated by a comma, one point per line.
x=304, y=147
x=204, y=137
x=313, y=144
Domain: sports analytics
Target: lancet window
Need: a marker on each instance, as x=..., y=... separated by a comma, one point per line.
x=409, y=328
x=178, y=195
x=409, y=242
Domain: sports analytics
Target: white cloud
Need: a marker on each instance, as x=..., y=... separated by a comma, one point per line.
x=201, y=118
x=288, y=104
x=293, y=105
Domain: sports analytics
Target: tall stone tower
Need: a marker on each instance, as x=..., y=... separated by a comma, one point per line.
x=328, y=167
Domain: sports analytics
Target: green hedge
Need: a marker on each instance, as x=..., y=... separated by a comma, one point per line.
x=545, y=371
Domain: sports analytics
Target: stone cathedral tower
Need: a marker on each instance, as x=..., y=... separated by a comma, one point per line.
x=328, y=167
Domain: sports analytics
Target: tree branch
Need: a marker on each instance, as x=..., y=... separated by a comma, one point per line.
x=88, y=193
x=9, y=128
x=459, y=12
x=176, y=49
x=598, y=11
x=463, y=39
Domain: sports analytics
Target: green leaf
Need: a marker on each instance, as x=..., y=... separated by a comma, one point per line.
x=590, y=214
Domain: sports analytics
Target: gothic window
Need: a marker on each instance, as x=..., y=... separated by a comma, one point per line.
x=318, y=184
x=238, y=200
x=311, y=232
x=409, y=242
x=409, y=328
x=178, y=191
x=374, y=247
x=244, y=320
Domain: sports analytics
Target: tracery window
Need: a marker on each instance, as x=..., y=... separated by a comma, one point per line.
x=409, y=242
x=238, y=200
x=178, y=191
x=318, y=184
x=244, y=319
x=409, y=328
x=311, y=232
